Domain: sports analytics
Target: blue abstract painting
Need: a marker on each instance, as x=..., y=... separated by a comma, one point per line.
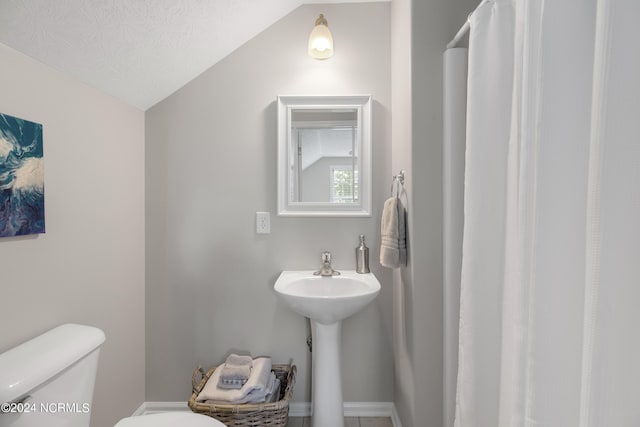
x=21, y=177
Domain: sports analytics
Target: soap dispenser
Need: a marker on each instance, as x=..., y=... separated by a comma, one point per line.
x=362, y=257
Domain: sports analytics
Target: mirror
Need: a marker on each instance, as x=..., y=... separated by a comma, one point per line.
x=324, y=155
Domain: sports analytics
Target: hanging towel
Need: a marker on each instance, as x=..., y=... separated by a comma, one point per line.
x=254, y=391
x=393, y=242
x=402, y=233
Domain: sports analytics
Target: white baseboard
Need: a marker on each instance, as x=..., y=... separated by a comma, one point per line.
x=299, y=409
x=351, y=409
x=296, y=409
x=395, y=418
x=148, y=408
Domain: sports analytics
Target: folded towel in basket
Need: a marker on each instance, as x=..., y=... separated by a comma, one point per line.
x=273, y=393
x=253, y=391
x=231, y=384
x=266, y=395
x=238, y=360
x=235, y=371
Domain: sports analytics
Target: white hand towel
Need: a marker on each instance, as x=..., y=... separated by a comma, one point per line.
x=257, y=383
x=393, y=244
x=261, y=395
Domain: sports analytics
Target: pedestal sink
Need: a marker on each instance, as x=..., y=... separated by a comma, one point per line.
x=327, y=301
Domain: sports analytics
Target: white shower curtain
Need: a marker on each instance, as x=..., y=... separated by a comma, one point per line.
x=550, y=287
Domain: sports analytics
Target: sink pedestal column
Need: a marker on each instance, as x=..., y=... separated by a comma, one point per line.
x=326, y=398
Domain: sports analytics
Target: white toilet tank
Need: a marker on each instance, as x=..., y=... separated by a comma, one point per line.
x=48, y=381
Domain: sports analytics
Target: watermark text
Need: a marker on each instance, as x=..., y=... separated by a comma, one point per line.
x=45, y=407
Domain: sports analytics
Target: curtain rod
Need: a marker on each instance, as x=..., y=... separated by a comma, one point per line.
x=459, y=35
x=465, y=27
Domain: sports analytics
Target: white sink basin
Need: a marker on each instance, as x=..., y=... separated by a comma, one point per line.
x=327, y=299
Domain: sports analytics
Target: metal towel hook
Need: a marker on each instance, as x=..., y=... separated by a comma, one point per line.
x=398, y=181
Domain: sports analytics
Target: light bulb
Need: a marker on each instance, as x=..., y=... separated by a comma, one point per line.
x=320, y=40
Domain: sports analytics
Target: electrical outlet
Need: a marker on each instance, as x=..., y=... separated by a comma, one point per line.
x=263, y=223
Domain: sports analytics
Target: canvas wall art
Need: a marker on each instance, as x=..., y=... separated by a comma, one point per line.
x=21, y=177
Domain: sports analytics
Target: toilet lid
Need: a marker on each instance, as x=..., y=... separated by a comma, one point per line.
x=170, y=419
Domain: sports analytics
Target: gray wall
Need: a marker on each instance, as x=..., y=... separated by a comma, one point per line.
x=420, y=32
x=211, y=164
x=404, y=397
x=89, y=266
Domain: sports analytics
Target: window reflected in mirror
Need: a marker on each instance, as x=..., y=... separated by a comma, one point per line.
x=325, y=162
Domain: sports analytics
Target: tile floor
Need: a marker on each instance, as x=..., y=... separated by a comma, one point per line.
x=348, y=422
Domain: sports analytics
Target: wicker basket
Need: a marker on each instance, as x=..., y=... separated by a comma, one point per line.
x=273, y=414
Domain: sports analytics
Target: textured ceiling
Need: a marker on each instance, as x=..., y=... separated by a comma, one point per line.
x=139, y=51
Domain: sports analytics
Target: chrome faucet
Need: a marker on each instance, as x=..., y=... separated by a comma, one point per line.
x=326, y=269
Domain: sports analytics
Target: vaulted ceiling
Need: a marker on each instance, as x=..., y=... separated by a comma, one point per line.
x=139, y=51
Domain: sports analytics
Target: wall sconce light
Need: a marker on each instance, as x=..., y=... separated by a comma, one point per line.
x=320, y=40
